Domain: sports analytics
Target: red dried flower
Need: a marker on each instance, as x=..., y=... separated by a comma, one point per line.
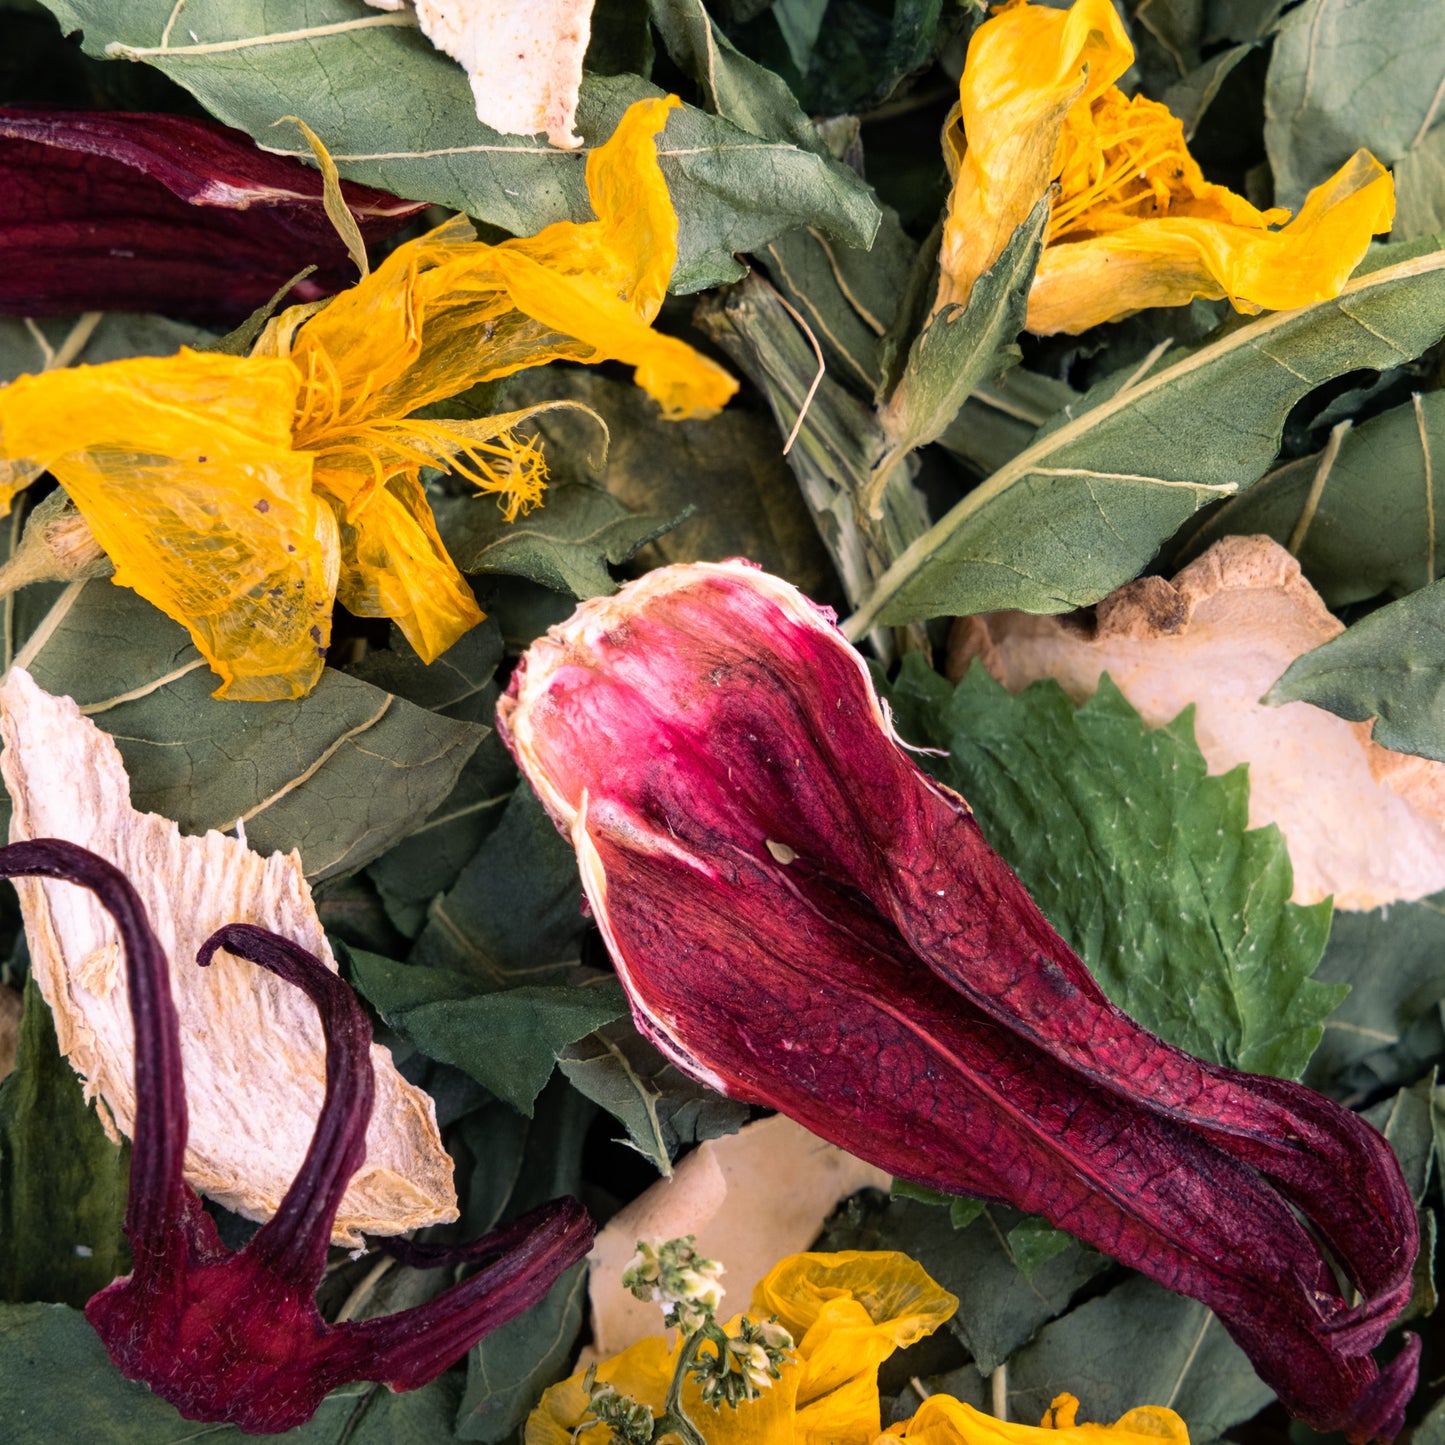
x=237, y=1336
x=805, y=920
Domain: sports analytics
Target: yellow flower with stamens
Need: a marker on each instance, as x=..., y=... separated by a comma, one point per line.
x=244, y=495
x=944, y=1421
x=1134, y=223
x=847, y=1313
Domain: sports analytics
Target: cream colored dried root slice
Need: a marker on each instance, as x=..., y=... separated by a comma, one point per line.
x=252, y=1045
x=1362, y=823
x=523, y=58
x=751, y=1198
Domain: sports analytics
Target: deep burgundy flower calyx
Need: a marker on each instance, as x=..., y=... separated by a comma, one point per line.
x=805, y=920
x=236, y=1336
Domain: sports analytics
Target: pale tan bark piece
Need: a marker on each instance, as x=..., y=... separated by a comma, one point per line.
x=523, y=58
x=252, y=1045
x=751, y=1199
x=1362, y=823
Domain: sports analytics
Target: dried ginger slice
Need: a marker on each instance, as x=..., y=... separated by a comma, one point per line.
x=252, y=1045
x=1363, y=824
x=750, y=1198
x=523, y=58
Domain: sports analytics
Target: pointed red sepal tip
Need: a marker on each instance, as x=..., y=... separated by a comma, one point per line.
x=108, y=211
x=804, y=920
x=236, y=1337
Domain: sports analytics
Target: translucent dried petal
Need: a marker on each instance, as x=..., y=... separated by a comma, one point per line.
x=184, y=468
x=942, y=1420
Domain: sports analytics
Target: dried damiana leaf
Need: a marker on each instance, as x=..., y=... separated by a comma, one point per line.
x=253, y=1047
x=523, y=58
x=1362, y=823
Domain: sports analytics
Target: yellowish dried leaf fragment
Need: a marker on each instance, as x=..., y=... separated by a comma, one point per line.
x=523, y=58
x=252, y=1045
x=1363, y=824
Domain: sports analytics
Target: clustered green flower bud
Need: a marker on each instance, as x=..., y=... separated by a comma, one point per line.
x=629, y=1420
x=675, y=1276
x=744, y=1364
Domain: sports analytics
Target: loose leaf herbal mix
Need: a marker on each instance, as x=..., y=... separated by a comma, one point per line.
x=450, y=824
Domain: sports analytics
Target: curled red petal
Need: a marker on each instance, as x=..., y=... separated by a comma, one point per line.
x=804, y=919
x=106, y=211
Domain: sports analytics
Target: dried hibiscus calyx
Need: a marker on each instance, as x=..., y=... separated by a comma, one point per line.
x=805, y=920
x=237, y=1337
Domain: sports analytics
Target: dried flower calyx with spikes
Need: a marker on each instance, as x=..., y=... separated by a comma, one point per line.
x=236, y=1336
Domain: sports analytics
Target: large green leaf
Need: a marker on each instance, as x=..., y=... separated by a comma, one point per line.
x=566, y=545
x=340, y=774
x=1139, y=1342
x=515, y=912
x=62, y=1182
x=1346, y=74
x=506, y=1039
x=511, y=1367
x=1362, y=521
x=1389, y=666
x=1084, y=508
x=661, y=1108
x=396, y=113
x=1144, y=863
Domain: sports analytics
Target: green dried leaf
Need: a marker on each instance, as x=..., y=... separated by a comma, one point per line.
x=340, y=774
x=661, y=1108
x=1420, y=188
x=962, y=346
x=1363, y=522
x=1194, y=93
x=515, y=912
x=348, y=68
x=1139, y=1342
x=1085, y=507
x=63, y=1184
x=508, y=1370
x=566, y=545
x=1389, y=666
x=507, y=1039
x=1350, y=73
x=1032, y=1242
x=89, y=340
x=1144, y=863
x=1393, y=960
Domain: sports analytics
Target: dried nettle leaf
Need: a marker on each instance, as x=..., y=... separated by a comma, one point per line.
x=1363, y=824
x=253, y=1046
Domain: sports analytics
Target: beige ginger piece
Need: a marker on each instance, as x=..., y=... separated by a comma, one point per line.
x=751, y=1198
x=1362, y=823
x=252, y=1045
x=523, y=58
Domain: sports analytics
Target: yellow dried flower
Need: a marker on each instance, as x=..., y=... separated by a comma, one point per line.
x=1135, y=224
x=244, y=495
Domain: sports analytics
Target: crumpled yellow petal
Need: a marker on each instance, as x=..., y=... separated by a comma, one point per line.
x=847, y=1313
x=446, y=311
x=1026, y=67
x=1170, y=261
x=183, y=468
x=942, y=1420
